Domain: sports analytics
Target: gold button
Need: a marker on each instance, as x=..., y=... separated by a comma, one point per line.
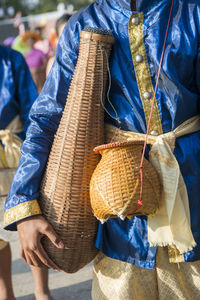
x=135, y=20
x=147, y=95
x=154, y=132
x=139, y=58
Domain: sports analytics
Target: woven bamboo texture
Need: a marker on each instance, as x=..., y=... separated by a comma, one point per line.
x=115, y=183
x=64, y=194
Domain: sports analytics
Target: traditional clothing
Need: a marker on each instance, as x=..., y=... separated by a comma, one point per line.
x=117, y=280
x=17, y=90
x=17, y=94
x=134, y=63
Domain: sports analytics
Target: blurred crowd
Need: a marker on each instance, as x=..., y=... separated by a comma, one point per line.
x=38, y=49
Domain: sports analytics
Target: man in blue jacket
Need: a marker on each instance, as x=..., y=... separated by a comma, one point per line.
x=128, y=267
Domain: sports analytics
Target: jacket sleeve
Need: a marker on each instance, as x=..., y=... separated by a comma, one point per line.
x=197, y=61
x=25, y=89
x=44, y=120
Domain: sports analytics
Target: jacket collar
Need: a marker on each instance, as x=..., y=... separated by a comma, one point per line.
x=141, y=5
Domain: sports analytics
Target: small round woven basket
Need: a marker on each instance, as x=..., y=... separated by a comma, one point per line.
x=115, y=183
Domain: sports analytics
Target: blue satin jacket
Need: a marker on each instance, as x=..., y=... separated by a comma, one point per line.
x=137, y=33
x=17, y=90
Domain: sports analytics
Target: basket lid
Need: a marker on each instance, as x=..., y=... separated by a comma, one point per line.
x=117, y=144
x=97, y=37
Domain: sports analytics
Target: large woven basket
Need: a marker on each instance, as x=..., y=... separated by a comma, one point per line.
x=64, y=194
x=115, y=183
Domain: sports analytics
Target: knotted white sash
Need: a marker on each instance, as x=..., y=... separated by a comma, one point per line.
x=171, y=225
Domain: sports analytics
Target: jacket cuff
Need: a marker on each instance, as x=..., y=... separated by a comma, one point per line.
x=20, y=212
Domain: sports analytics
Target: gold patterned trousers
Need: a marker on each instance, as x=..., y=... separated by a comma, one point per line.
x=117, y=280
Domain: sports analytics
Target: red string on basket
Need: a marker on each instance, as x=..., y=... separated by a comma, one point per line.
x=151, y=112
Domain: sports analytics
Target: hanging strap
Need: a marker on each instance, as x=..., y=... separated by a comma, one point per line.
x=153, y=102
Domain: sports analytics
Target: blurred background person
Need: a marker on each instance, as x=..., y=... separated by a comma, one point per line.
x=17, y=94
x=20, y=46
x=60, y=24
x=44, y=43
x=8, y=42
x=35, y=59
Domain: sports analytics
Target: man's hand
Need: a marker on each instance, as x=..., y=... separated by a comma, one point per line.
x=30, y=232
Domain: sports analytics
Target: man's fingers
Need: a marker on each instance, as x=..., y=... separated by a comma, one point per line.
x=36, y=261
x=27, y=258
x=54, y=238
x=30, y=233
x=45, y=259
x=31, y=257
x=23, y=255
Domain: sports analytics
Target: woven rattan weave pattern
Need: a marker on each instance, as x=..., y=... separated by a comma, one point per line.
x=115, y=183
x=64, y=195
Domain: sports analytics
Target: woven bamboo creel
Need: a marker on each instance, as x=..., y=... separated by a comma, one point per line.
x=64, y=193
x=115, y=183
